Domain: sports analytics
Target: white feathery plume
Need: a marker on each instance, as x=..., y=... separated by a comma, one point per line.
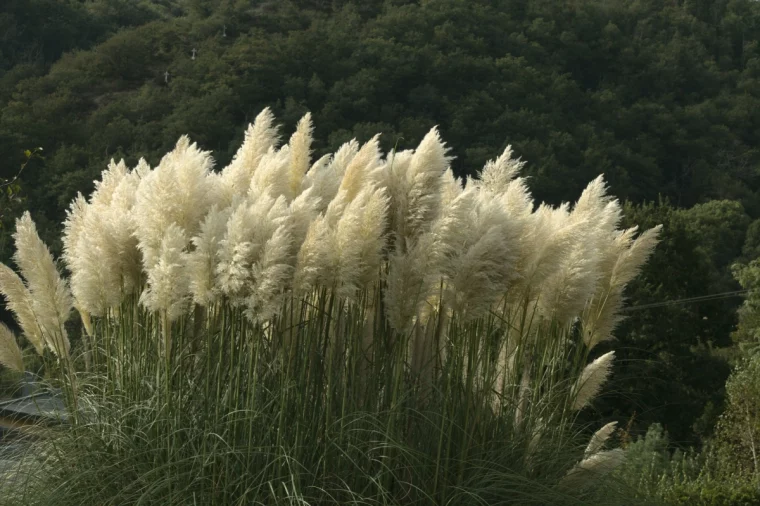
x=51, y=298
x=235, y=249
x=10, y=352
x=343, y=264
x=19, y=302
x=86, y=320
x=142, y=169
x=201, y=262
x=455, y=217
x=608, y=220
x=110, y=235
x=592, y=469
x=343, y=157
x=220, y=195
x=453, y=221
x=271, y=274
x=357, y=241
x=109, y=180
x=550, y=236
x=313, y=256
x=416, y=194
x=94, y=282
x=121, y=226
x=517, y=199
x=600, y=437
x=479, y=265
x=168, y=282
x=100, y=245
x=300, y=155
x=260, y=137
x=623, y=259
x=72, y=228
x=617, y=243
x=451, y=188
x=392, y=176
x=631, y=261
x=565, y=293
x=248, y=229
x=326, y=181
x=371, y=235
x=411, y=280
x=361, y=170
x=593, y=199
x=271, y=177
x=302, y=212
x=592, y=379
x=323, y=180
x=497, y=174
x=177, y=192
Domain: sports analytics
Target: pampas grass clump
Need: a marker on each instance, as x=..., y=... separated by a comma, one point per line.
x=360, y=329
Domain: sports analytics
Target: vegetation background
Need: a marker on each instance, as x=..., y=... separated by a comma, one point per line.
x=663, y=97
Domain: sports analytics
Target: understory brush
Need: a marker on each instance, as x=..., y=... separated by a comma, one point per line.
x=705, y=477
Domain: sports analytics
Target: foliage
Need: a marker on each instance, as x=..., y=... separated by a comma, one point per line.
x=705, y=478
x=746, y=334
x=739, y=428
x=357, y=330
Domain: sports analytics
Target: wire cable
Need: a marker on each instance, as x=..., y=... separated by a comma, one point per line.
x=690, y=300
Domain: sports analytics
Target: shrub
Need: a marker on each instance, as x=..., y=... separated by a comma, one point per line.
x=356, y=330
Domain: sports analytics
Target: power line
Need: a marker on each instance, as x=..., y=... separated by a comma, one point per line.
x=702, y=298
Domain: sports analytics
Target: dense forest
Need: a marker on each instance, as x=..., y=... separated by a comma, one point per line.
x=662, y=97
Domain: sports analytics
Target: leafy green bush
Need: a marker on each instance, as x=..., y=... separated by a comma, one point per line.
x=707, y=478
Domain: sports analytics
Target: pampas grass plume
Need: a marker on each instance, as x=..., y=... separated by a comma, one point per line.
x=109, y=181
x=272, y=176
x=168, y=282
x=19, y=301
x=497, y=174
x=599, y=438
x=360, y=168
x=10, y=352
x=72, y=228
x=259, y=138
x=300, y=155
x=202, y=261
x=592, y=379
x=622, y=261
x=312, y=256
x=418, y=203
x=177, y=192
x=51, y=299
x=593, y=468
x=480, y=262
x=271, y=275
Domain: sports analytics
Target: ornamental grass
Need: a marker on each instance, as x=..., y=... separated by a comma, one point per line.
x=359, y=329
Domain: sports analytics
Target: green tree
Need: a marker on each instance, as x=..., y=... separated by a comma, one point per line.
x=738, y=432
